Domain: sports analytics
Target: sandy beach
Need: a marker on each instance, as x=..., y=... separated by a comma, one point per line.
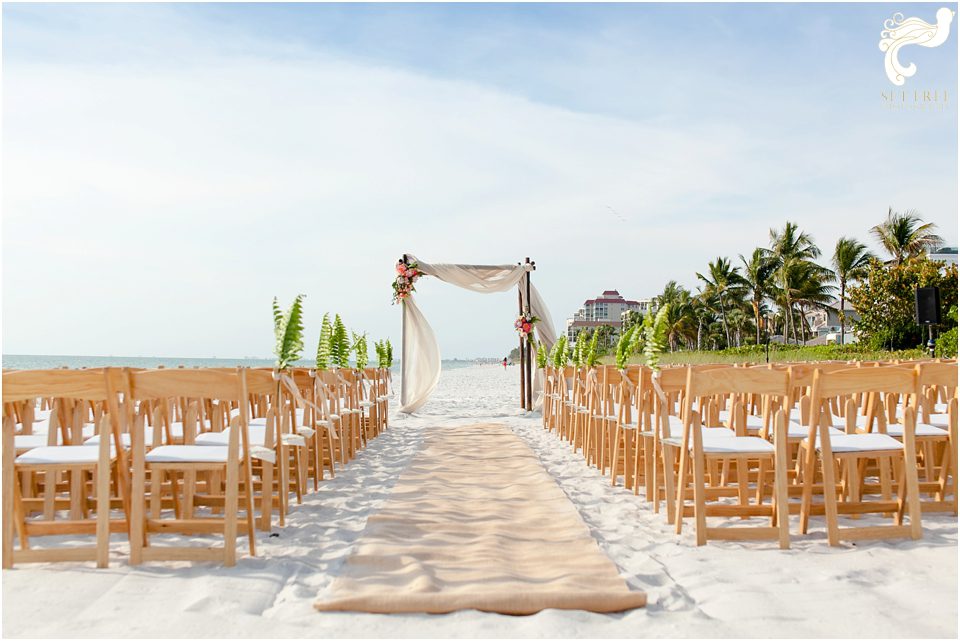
x=873, y=589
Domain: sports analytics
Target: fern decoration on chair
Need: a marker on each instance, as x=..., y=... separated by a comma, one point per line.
x=580, y=349
x=623, y=347
x=655, y=337
x=541, y=356
x=389, y=353
x=323, y=347
x=339, y=344
x=360, y=350
x=558, y=355
x=288, y=332
x=592, y=357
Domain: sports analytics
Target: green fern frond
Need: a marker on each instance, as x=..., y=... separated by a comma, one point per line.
x=623, y=347
x=289, y=333
x=655, y=335
x=277, y=320
x=389, y=354
x=541, y=356
x=592, y=356
x=559, y=352
x=340, y=344
x=323, y=347
x=360, y=350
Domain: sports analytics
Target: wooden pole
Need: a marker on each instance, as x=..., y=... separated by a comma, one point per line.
x=403, y=340
x=523, y=384
x=529, y=346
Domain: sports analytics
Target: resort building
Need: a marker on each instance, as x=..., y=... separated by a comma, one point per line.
x=825, y=324
x=606, y=309
x=946, y=255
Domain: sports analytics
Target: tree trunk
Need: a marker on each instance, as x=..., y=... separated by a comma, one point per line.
x=843, y=291
x=723, y=312
x=756, y=318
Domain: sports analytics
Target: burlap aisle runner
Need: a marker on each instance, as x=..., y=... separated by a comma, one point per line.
x=476, y=522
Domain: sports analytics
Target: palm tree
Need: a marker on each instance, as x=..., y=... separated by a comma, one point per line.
x=724, y=282
x=703, y=313
x=679, y=317
x=905, y=235
x=790, y=249
x=737, y=319
x=813, y=290
x=758, y=281
x=850, y=261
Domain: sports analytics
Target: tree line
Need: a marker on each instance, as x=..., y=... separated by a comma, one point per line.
x=770, y=291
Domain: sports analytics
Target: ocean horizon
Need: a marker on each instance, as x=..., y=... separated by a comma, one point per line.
x=51, y=361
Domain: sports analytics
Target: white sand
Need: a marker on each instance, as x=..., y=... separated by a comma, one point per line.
x=882, y=589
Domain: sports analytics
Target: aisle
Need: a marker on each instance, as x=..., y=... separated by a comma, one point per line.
x=475, y=522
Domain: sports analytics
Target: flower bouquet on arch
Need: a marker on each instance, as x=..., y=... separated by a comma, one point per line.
x=404, y=283
x=524, y=325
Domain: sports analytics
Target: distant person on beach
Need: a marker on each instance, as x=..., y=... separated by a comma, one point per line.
x=504, y=362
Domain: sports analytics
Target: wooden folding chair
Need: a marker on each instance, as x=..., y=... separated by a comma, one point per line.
x=75, y=393
x=826, y=452
x=744, y=451
x=226, y=469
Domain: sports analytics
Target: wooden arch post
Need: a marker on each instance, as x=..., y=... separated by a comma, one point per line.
x=526, y=347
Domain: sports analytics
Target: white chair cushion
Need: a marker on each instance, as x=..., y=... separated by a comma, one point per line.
x=729, y=444
x=61, y=454
x=258, y=436
x=873, y=442
x=366, y=404
x=736, y=445
x=795, y=430
x=186, y=454
x=294, y=440
x=939, y=420
x=923, y=429
x=753, y=422
x=29, y=441
x=841, y=423
x=124, y=438
x=676, y=429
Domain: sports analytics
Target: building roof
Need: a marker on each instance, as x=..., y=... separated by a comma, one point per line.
x=586, y=323
x=611, y=292
x=620, y=300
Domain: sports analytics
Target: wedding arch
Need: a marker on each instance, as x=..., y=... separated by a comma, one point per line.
x=420, y=357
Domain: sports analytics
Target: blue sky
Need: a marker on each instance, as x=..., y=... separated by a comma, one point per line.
x=168, y=168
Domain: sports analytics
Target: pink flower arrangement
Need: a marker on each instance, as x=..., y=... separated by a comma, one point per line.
x=524, y=325
x=403, y=284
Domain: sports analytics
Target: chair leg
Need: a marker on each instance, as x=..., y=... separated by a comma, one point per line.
x=699, y=498
x=230, y=509
x=781, y=497
x=830, y=499
x=9, y=479
x=103, y=512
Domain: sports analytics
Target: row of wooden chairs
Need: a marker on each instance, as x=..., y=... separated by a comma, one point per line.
x=823, y=439
x=192, y=452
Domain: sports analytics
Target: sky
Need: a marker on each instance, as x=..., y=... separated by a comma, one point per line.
x=170, y=168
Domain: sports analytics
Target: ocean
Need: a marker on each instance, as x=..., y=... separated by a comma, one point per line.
x=42, y=361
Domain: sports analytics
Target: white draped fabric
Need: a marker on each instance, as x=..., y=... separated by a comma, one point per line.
x=421, y=354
